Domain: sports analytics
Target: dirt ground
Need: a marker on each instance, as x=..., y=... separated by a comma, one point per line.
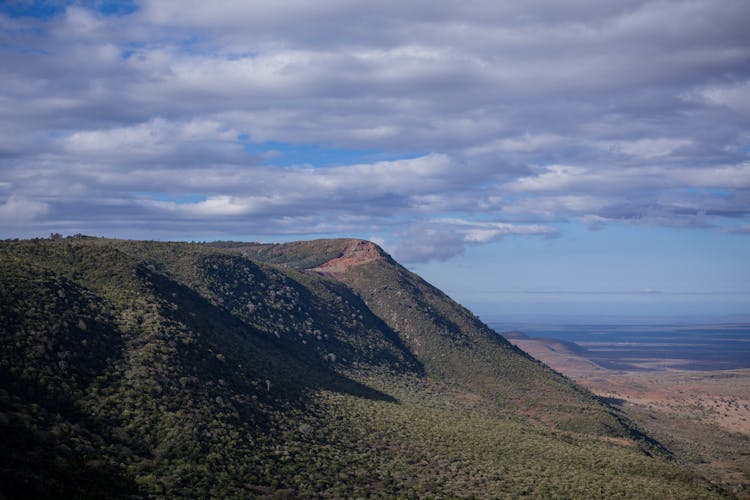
x=703, y=417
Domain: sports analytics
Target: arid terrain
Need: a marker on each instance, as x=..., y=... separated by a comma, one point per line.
x=702, y=416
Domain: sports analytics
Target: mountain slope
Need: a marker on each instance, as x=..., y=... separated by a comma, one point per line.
x=452, y=343
x=170, y=369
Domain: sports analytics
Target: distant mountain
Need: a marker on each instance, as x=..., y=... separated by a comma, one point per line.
x=320, y=368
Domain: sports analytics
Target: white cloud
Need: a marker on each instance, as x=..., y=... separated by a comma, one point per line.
x=721, y=176
x=524, y=143
x=155, y=137
x=19, y=210
x=361, y=188
x=734, y=96
x=558, y=178
x=525, y=113
x=211, y=207
x=648, y=148
x=484, y=232
x=552, y=178
x=441, y=239
x=551, y=206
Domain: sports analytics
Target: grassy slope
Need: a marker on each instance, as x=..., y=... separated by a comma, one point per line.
x=186, y=370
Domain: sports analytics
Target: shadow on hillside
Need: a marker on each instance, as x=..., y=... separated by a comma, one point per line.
x=612, y=401
x=229, y=349
x=409, y=361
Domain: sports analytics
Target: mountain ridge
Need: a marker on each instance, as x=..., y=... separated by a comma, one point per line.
x=233, y=369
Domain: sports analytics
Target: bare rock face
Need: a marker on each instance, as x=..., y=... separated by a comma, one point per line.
x=355, y=253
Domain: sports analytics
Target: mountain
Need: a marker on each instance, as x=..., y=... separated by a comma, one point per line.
x=308, y=369
x=453, y=344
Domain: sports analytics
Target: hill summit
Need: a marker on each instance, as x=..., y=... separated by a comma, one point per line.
x=308, y=369
x=353, y=253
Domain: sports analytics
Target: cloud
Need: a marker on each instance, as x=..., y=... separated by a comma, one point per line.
x=183, y=117
x=743, y=229
x=149, y=137
x=215, y=206
x=18, y=210
x=362, y=189
x=524, y=143
x=442, y=239
x=558, y=178
x=735, y=95
x=649, y=148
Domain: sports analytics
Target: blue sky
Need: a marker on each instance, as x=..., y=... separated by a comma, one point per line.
x=531, y=158
x=638, y=273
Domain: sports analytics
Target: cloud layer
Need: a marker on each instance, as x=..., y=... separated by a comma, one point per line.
x=431, y=126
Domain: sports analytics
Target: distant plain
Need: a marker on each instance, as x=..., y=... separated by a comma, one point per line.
x=688, y=385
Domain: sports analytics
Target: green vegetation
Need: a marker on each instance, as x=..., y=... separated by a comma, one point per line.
x=134, y=368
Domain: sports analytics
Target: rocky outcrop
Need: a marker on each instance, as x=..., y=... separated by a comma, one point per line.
x=355, y=253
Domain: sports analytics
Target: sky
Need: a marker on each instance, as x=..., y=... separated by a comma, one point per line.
x=533, y=159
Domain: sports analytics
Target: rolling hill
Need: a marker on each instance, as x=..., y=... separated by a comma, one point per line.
x=308, y=369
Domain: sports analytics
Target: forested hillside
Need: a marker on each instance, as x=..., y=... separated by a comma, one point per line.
x=322, y=368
